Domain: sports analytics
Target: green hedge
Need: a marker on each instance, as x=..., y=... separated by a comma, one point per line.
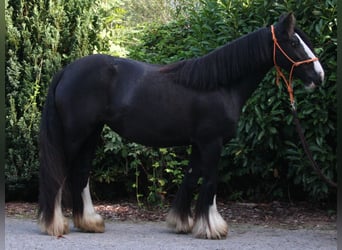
x=42, y=36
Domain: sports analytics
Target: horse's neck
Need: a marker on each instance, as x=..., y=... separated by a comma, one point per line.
x=256, y=48
x=248, y=85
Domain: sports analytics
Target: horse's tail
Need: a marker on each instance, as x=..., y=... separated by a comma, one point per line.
x=52, y=160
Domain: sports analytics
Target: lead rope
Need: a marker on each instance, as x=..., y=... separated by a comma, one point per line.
x=288, y=83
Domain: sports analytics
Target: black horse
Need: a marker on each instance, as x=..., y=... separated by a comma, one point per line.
x=193, y=102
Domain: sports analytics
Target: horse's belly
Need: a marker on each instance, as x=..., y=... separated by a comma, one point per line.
x=152, y=130
x=155, y=138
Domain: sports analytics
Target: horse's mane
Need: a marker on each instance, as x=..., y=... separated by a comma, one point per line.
x=223, y=66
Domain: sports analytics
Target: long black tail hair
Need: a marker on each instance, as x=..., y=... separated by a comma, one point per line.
x=52, y=173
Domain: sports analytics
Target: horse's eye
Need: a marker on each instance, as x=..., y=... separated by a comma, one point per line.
x=295, y=42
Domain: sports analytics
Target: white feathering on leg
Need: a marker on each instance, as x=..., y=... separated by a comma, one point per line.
x=59, y=224
x=174, y=220
x=90, y=220
x=213, y=228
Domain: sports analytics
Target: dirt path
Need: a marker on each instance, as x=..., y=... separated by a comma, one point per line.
x=251, y=226
x=24, y=234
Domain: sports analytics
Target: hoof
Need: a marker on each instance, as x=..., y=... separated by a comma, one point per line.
x=205, y=230
x=212, y=226
x=59, y=226
x=90, y=224
x=180, y=225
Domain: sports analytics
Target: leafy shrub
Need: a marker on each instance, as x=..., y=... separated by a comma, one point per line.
x=150, y=172
x=42, y=36
x=267, y=144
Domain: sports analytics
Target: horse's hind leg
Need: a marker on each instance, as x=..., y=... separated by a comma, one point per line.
x=51, y=217
x=84, y=214
x=208, y=222
x=179, y=216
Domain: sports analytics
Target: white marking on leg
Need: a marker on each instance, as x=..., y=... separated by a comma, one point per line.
x=317, y=65
x=174, y=220
x=217, y=224
x=213, y=228
x=90, y=220
x=60, y=224
x=88, y=207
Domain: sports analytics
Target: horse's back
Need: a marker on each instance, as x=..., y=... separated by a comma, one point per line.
x=89, y=71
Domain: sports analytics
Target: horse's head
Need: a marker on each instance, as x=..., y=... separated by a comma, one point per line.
x=293, y=52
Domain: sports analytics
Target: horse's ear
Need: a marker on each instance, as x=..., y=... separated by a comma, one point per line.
x=288, y=22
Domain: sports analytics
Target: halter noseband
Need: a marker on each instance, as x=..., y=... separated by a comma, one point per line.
x=294, y=64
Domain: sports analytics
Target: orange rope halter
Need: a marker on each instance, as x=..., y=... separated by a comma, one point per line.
x=288, y=83
x=280, y=74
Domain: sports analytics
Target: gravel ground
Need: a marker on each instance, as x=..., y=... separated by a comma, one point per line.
x=23, y=233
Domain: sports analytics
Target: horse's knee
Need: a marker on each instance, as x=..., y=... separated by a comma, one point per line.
x=210, y=224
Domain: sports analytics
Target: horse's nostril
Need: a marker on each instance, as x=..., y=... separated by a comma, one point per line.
x=311, y=86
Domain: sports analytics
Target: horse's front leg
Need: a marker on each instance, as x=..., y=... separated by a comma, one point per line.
x=180, y=217
x=209, y=223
